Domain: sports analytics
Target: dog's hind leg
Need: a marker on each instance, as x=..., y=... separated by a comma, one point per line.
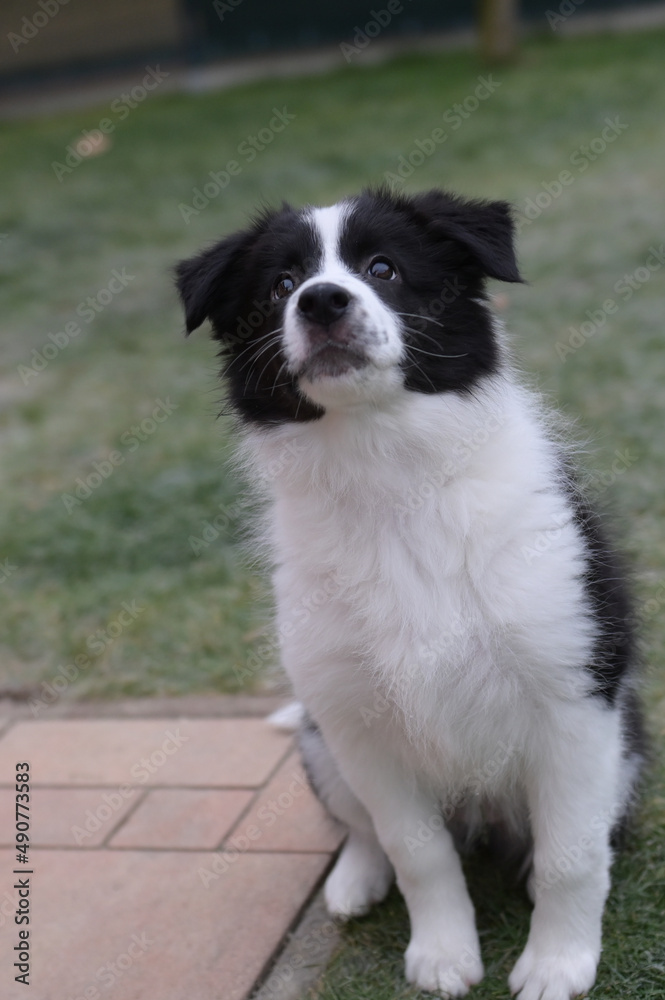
x=363, y=874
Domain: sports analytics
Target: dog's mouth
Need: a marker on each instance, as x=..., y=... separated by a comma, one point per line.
x=331, y=360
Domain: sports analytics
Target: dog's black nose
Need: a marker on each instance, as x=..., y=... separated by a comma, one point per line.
x=323, y=303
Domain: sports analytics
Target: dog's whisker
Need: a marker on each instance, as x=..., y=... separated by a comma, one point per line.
x=279, y=372
x=250, y=347
x=265, y=348
x=432, y=354
x=426, y=319
x=421, y=371
x=427, y=336
x=266, y=366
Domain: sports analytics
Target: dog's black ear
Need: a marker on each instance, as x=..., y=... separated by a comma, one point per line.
x=484, y=228
x=208, y=282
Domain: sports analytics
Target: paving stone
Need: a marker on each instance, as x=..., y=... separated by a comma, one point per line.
x=67, y=817
x=141, y=924
x=186, y=752
x=287, y=816
x=182, y=817
x=168, y=920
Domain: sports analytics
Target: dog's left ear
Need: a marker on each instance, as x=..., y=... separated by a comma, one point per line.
x=208, y=282
x=484, y=228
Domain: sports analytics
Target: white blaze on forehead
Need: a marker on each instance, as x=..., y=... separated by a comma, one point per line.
x=328, y=223
x=371, y=324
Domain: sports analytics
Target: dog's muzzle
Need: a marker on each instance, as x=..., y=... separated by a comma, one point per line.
x=324, y=310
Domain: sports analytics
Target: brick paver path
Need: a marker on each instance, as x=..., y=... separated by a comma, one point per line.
x=169, y=857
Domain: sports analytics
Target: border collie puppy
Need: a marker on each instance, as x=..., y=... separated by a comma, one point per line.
x=448, y=610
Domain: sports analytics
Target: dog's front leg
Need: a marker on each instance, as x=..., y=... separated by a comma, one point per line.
x=574, y=802
x=444, y=953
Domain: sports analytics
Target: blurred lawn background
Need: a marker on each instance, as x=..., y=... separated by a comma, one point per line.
x=198, y=614
x=71, y=568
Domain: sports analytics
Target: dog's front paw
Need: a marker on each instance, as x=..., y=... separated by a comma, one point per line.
x=448, y=967
x=542, y=975
x=361, y=877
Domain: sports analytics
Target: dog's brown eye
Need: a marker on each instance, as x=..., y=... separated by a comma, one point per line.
x=284, y=285
x=381, y=267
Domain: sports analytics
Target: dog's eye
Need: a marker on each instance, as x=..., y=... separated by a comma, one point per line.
x=382, y=268
x=284, y=285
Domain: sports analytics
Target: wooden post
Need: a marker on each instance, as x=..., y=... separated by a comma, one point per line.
x=498, y=26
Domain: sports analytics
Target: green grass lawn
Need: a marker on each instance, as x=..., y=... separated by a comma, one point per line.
x=115, y=579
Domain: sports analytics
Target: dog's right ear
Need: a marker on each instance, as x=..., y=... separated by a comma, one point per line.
x=208, y=283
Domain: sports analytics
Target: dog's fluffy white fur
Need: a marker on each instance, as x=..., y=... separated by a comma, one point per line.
x=444, y=652
x=436, y=620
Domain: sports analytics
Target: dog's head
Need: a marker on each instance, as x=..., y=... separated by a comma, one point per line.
x=330, y=307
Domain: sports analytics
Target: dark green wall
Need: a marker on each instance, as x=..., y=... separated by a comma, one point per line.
x=231, y=27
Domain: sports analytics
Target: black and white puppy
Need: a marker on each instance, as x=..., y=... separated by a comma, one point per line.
x=448, y=610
